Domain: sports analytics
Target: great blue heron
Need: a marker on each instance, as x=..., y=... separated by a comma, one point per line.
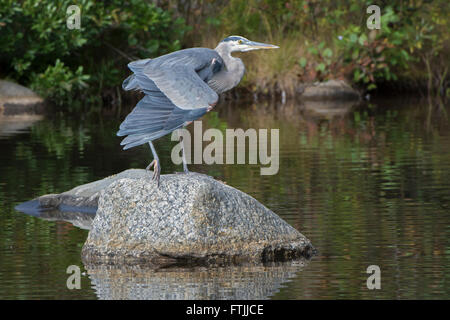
x=179, y=88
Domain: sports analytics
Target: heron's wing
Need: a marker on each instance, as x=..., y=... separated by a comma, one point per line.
x=182, y=85
x=175, y=93
x=181, y=65
x=137, y=80
x=153, y=117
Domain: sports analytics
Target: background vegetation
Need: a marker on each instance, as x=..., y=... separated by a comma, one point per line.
x=319, y=40
x=328, y=39
x=74, y=66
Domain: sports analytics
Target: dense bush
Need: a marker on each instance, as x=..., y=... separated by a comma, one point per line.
x=319, y=40
x=38, y=49
x=322, y=39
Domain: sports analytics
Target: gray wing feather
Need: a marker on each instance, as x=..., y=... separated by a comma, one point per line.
x=138, y=80
x=175, y=92
x=183, y=87
x=182, y=76
x=203, y=61
x=153, y=117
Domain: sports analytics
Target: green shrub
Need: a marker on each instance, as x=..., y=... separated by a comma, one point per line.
x=333, y=41
x=38, y=48
x=68, y=83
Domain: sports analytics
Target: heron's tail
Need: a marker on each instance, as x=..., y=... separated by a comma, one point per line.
x=138, y=80
x=130, y=83
x=138, y=65
x=153, y=117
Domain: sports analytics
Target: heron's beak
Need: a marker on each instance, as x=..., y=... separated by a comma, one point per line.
x=260, y=45
x=253, y=45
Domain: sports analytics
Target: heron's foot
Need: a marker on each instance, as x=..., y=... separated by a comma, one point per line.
x=147, y=168
x=211, y=106
x=156, y=170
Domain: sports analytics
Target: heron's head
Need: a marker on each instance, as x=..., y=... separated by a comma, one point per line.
x=238, y=43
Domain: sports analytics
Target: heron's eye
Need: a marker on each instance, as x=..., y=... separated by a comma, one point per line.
x=240, y=41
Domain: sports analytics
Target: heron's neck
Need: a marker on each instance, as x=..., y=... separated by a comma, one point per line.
x=234, y=66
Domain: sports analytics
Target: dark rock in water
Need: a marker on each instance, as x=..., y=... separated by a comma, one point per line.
x=11, y=125
x=327, y=109
x=331, y=89
x=18, y=100
x=235, y=282
x=190, y=217
x=81, y=199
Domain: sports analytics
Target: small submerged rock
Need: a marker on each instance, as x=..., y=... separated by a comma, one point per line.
x=327, y=109
x=18, y=100
x=20, y=108
x=81, y=199
x=190, y=217
x=331, y=89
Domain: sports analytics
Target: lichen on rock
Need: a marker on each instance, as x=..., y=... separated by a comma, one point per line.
x=190, y=217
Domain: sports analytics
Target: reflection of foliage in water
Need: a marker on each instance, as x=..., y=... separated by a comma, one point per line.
x=372, y=180
x=369, y=186
x=58, y=137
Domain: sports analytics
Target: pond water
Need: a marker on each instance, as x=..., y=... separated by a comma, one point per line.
x=367, y=184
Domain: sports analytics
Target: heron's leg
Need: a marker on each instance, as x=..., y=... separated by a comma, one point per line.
x=155, y=163
x=185, y=168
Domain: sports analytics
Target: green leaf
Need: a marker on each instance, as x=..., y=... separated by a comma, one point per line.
x=328, y=53
x=132, y=41
x=303, y=62
x=362, y=39
x=313, y=50
x=320, y=67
